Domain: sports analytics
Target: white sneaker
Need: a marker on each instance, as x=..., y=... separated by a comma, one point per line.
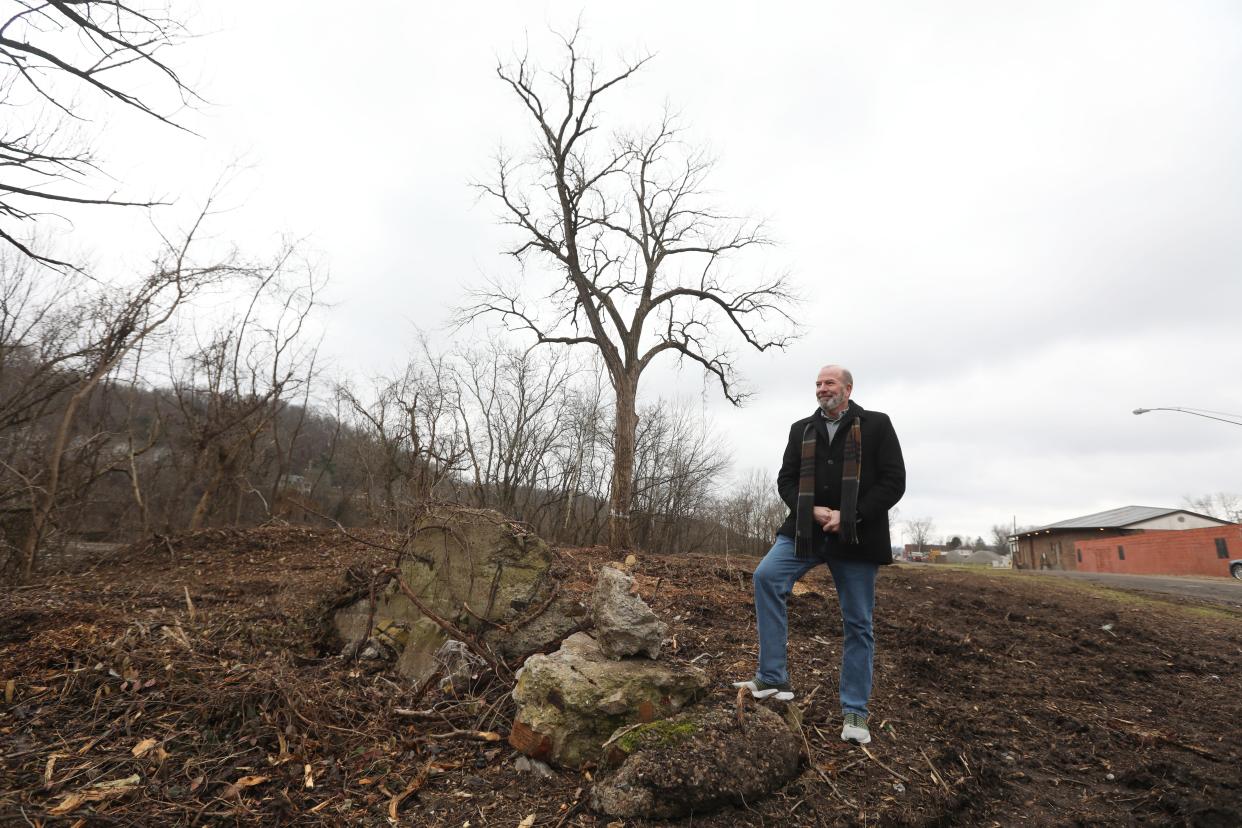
x=855, y=730
x=760, y=689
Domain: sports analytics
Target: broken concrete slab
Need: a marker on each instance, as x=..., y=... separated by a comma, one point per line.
x=572, y=700
x=466, y=565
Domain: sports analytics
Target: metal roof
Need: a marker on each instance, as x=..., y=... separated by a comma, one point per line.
x=1115, y=518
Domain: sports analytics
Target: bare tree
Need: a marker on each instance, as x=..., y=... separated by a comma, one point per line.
x=584, y=460
x=754, y=511
x=678, y=468
x=133, y=450
x=406, y=436
x=1000, y=538
x=515, y=410
x=1222, y=505
x=920, y=530
x=39, y=320
x=113, y=324
x=235, y=386
x=51, y=53
x=637, y=251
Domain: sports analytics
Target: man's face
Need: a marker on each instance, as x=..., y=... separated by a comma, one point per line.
x=831, y=391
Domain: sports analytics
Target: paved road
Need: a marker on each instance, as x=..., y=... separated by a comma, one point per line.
x=1226, y=591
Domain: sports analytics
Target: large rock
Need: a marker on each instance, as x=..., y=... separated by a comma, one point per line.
x=697, y=762
x=459, y=558
x=624, y=624
x=571, y=701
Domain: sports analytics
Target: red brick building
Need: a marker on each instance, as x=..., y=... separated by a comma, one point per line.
x=1192, y=552
x=1063, y=545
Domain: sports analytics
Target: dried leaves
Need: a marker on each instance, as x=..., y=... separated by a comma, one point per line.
x=95, y=793
x=234, y=790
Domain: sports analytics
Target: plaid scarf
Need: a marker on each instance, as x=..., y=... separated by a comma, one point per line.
x=850, y=477
x=804, y=541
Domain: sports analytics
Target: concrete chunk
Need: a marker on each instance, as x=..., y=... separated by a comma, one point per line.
x=624, y=624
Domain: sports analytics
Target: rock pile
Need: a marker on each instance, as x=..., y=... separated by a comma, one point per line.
x=571, y=701
x=605, y=698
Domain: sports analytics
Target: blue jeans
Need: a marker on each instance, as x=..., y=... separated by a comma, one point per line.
x=855, y=582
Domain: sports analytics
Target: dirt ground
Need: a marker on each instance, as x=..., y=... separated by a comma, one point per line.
x=1000, y=699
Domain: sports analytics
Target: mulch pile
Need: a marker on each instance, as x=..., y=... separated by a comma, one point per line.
x=1001, y=698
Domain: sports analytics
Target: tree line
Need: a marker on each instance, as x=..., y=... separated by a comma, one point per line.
x=241, y=426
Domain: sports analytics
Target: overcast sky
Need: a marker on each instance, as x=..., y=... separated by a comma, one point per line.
x=1015, y=222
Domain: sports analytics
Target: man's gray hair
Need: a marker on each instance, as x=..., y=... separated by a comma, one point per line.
x=845, y=374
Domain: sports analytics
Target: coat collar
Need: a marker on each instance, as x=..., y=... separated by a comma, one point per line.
x=854, y=410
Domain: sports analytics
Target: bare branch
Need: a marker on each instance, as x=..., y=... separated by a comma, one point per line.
x=36, y=55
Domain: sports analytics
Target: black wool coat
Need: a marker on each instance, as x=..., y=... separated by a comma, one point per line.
x=882, y=482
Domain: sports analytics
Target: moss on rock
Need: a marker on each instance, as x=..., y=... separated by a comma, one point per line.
x=660, y=733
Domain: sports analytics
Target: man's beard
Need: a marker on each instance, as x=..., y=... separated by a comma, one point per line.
x=830, y=404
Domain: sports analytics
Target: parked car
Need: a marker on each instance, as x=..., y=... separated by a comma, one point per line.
x=1235, y=568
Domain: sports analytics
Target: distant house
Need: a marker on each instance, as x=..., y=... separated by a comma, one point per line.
x=1074, y=544
x=977, y=557
x=941, y=553
x=296, y=483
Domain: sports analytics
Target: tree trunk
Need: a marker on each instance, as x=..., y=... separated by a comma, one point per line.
x=204, y=501
x=136, y=487
x=623, y=464
x=46, y=503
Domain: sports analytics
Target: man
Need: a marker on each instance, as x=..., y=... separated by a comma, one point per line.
x=841, y=473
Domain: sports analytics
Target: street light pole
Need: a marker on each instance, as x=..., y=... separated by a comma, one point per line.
x=1237, y=422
